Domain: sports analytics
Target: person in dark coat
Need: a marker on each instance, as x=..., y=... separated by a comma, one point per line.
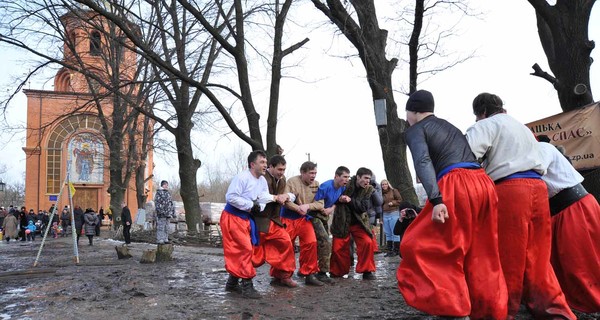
x=126, y=220
x=40, y=215
x=78, y=213
x=31, y=216
x=55, y=219
x=90, y=221
x=98, y=225
x=52, y=208
x=65, y=220
x=45, y=220
x=22, y=223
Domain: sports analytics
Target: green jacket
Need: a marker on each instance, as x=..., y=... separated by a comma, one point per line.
x=359, y=207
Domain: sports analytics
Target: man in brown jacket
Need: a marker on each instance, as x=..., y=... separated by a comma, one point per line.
x=275, y=246
x=297, y=215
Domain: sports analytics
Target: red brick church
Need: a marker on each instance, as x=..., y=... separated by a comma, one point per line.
x=64, y=131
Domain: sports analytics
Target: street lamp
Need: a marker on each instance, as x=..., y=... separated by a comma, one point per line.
x=2, y=185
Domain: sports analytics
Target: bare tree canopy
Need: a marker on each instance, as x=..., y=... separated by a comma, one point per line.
x=359, y=23
x=106, y=78
x=371, y=41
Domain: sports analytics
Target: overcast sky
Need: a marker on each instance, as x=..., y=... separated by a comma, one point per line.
x=333, y=119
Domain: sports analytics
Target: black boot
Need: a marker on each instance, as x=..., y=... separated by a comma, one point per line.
x=397, y=248
x=369, y=276
x=390, y=249
x=389, y=246
x=323, y=277
x=313, y=281
x=233, y=284
x=248, y=290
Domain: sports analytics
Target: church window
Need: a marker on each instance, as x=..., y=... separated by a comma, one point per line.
x=95, y=43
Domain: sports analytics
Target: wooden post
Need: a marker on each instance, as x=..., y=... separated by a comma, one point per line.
x=164, y=252
x=148, y=256
x=123, y=252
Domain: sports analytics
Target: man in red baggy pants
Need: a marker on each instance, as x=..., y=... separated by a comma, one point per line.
x=275, y=246
x=450, y=264
x=246, y=197
x=575, y=232
x=511, y=158
x=296, y=216
x=351, y=217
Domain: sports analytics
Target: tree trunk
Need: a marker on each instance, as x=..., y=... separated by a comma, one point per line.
x=117, y=196
x=140, y=173
x=393, y=146
x=188, y=168
x=413, y=46
x=116, y=187
x=563, y=32
x=379, y=70
x=140, y=183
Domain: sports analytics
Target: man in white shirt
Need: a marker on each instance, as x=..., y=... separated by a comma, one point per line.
x=510, y=156
x=247, y=195
x=575, y=231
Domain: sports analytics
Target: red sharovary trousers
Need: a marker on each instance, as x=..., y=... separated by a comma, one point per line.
x=275, y=248
x=524, y=241
x=576, y=253
x=237, y=246
x=304, y=230
x=340, y=252
x=453, y=269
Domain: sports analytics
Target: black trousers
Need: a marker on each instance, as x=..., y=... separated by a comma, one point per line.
x=127, y=234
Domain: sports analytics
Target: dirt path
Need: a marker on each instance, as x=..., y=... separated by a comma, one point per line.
x=190, y=287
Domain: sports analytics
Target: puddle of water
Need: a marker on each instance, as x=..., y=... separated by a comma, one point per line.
x=16, y=291
x=12, y=295
x=178, y=277
x=9, y=297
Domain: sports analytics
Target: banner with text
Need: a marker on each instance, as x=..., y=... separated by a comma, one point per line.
x=578, y=131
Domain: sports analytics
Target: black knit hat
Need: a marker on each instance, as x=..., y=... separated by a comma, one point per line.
x=420, y=101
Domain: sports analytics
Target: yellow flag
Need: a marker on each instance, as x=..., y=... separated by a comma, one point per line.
x=71, y=188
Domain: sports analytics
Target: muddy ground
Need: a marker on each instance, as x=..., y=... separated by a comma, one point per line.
x=189, y=287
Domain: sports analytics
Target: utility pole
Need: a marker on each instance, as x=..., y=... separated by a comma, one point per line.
x=308, y=154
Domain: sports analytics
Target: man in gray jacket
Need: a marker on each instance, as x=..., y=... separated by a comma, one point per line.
x=164, y=211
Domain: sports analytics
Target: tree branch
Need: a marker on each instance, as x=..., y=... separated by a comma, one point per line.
x=294, y=47
x=538, y=72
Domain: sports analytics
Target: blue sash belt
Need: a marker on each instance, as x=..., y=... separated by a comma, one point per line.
x=464, y=165
x=529, y=174
x=292, y=215
x=246, y=216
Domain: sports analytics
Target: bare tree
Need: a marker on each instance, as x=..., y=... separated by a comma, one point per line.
x=108, y=86
x=226, y=23
x=14, y=194
x=563, y=31
x=236, y=48
x=370, y=41
x=426, y=40
x=358, y=22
